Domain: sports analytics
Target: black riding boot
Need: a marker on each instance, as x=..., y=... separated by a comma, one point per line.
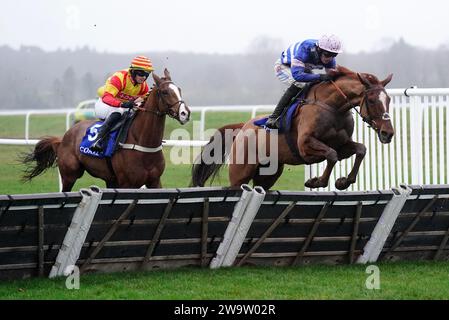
x=286, y=99
x=104, y=131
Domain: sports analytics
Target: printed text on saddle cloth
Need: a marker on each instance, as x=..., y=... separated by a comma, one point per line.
x=91, y=135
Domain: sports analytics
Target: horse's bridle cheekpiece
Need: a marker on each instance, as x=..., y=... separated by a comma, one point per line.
x=371, y=121
x=169, y=111
x=365, y=101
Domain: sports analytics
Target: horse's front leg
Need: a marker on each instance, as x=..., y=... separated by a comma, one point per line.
x=154, y=184
x=153, y=180
x=347, y=151
x=312, y=151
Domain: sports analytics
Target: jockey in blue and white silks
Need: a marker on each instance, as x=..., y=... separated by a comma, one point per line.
x=302, y=58
x=296, y=65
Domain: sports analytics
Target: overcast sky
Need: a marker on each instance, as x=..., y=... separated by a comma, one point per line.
x=226, y=26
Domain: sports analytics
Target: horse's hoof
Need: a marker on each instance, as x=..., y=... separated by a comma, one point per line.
x=342, y=183
x=314, y=183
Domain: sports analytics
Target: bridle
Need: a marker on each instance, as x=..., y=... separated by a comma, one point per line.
x=365, y=102
x=169, y=111
x=371, y=121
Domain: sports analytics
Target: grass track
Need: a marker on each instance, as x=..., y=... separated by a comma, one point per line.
x=405, y=280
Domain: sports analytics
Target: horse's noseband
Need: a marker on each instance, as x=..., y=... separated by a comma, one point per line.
x=170, y=111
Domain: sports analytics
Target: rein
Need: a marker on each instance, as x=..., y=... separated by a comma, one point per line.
x=328, y=107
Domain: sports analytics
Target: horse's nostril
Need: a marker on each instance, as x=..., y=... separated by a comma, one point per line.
x=386, y=135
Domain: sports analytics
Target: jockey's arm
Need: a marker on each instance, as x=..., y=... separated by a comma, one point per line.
x=109, y=99
x=299, y=73
x=112, y=88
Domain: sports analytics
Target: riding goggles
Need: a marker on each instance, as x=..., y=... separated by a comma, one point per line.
x=141, y=73
x=328, y=54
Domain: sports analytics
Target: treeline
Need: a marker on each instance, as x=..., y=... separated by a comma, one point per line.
x=32, y=78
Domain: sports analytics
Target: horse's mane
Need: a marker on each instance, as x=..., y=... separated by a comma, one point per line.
x=343, y=71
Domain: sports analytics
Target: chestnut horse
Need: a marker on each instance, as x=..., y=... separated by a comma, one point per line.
x=128, y=168
x=321, y=130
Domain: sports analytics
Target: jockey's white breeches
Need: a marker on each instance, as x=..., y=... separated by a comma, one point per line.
x=103, y=110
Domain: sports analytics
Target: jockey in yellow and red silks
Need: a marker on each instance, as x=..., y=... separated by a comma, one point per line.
x=119, y=93
x=127, y=85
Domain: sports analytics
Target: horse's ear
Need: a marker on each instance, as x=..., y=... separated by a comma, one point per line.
x=387, y=80
x=167, y=74
x=363, y=80
x=156, y=78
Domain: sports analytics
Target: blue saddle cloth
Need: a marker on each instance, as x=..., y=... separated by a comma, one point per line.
x=89, y=137
x=285, y=121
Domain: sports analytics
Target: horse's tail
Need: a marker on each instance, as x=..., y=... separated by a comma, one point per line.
x=44, y=156
x=202, y=171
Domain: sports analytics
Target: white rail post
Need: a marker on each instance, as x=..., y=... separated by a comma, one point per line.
x=395, y=151
x=253, y=112
x=405, y=150
x=433, y=108
x=59, y=179
x=27, y=126
x=426, y=110
x=203, y=123
x=416, y=140
x=361, y=176
x=447, y=139
x=67, y=119
x=441, y=139
x=307, y=174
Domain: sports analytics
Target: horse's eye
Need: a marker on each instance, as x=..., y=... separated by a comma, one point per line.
x=164, y=92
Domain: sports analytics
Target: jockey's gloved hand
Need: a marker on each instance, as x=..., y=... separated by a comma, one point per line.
x=127, y=104
x=325, y=77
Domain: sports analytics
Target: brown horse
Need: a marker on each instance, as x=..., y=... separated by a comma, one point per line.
x=321, y=130
x=142, y=163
